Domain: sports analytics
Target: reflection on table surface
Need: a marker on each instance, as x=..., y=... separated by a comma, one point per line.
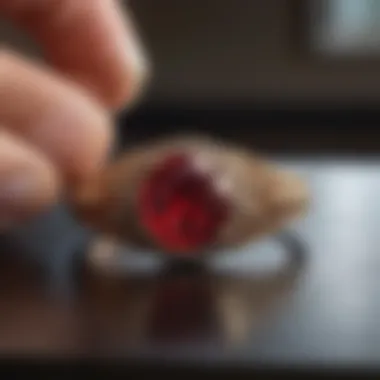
x=180, y=307
x=325, y=310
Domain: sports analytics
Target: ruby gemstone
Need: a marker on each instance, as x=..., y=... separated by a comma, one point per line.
x=180, y=208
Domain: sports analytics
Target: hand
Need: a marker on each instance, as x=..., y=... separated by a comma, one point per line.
x=55, y=124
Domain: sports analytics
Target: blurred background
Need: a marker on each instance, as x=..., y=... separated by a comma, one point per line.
x=294, y=68
x=293, y=52
x=298, y=80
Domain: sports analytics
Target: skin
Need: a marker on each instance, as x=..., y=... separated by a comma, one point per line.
x=56, y=118
x=56, y=124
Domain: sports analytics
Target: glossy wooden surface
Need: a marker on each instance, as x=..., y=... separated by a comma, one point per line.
x=324, y=309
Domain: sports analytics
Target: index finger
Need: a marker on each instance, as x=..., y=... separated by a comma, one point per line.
x=92, y=41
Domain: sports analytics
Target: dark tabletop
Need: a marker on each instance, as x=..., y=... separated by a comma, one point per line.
x=266, y=304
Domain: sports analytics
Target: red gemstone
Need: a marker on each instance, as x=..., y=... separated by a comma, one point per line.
x=180, y=208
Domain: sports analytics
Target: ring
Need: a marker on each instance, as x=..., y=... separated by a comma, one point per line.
x=189, y=197
x=108, y=256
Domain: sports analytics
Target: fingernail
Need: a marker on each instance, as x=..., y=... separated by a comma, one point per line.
x=18, y=194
